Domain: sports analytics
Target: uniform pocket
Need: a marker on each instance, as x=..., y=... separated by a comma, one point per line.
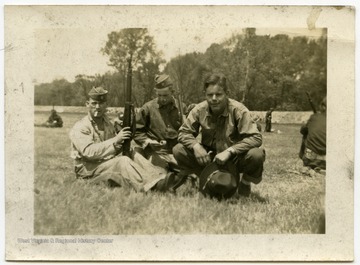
x=208, y=137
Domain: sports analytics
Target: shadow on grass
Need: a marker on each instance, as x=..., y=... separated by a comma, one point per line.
x=254, y=197
x=191, y=190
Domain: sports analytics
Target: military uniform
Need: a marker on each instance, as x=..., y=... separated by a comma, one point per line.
x=268, y=118
x=234, y=130
x=98, y=157
x=160, y=123
x=315, y=141
x=54, y=120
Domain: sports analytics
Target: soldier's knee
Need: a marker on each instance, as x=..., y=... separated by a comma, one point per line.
x=121, y=159
x=177, y=150
x=256, y=155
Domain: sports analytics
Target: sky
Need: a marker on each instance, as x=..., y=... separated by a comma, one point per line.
x=65, y=53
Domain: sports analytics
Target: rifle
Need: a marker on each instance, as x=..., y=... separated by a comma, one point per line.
x=129, y=113
x=180, y=104
x=302, y=147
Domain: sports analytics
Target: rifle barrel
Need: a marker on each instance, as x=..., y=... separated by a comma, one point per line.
x=128, y=107
x=180, y=104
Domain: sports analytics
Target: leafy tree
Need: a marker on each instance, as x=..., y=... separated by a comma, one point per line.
x=187, y=71
x=262, y=71
x=58, y=93
x=137, y=44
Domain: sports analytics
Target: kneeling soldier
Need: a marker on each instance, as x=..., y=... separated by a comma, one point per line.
x=228, y=133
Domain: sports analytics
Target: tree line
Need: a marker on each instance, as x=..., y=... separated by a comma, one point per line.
x=263, y=71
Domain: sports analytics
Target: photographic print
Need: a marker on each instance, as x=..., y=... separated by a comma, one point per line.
x=179, y=133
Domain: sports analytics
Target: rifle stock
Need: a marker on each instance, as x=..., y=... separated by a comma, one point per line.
x=128, y=110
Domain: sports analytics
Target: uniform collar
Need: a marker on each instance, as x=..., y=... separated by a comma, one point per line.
x=172, y=104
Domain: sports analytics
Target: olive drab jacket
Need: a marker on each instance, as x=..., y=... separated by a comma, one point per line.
x=234, y=128
x=90, y=144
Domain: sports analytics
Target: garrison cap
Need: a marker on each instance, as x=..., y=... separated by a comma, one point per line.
x=98, y=93
x=218, y=181
x=162, y=81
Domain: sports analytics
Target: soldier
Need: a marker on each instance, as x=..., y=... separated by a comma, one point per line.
x=54, y=121
x=268, y=117
x=157, y=124
x=97, y=151
x=228, y=133
x=314, y=133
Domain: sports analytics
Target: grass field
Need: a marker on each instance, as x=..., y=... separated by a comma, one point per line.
x=286, y=201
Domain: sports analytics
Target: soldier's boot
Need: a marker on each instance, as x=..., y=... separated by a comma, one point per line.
x=244, y=190
x=170, y=183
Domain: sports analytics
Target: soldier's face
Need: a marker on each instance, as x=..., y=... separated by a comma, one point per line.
x=164, y=96
x=216, y=97
x=96, y=108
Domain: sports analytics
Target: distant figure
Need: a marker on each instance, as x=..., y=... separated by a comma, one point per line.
x=314, y=132
x=54, y=121
x=268, y=118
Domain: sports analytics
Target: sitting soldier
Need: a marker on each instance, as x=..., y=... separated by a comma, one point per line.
x=54, y=121
x=157, y=124
x=314, y=134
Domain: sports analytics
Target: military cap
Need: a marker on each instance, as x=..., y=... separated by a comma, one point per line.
x=98, y=93
x=219, y=181
x=162, y=81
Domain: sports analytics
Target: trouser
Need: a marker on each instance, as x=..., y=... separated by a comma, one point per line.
x=138, y=174
x=161, y=158
x=314, y=160
x=268, y=126
x=249, y=163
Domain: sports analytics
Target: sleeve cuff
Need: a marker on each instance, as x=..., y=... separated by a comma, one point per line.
x=117, y=147
x=193, y=144
x=231, y=150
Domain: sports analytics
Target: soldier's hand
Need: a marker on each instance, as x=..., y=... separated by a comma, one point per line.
x=124, y=134
x=222, y=157
x=118, y=122
x=202, y=157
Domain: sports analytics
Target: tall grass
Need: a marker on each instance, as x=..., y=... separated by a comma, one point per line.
x=284, y=202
